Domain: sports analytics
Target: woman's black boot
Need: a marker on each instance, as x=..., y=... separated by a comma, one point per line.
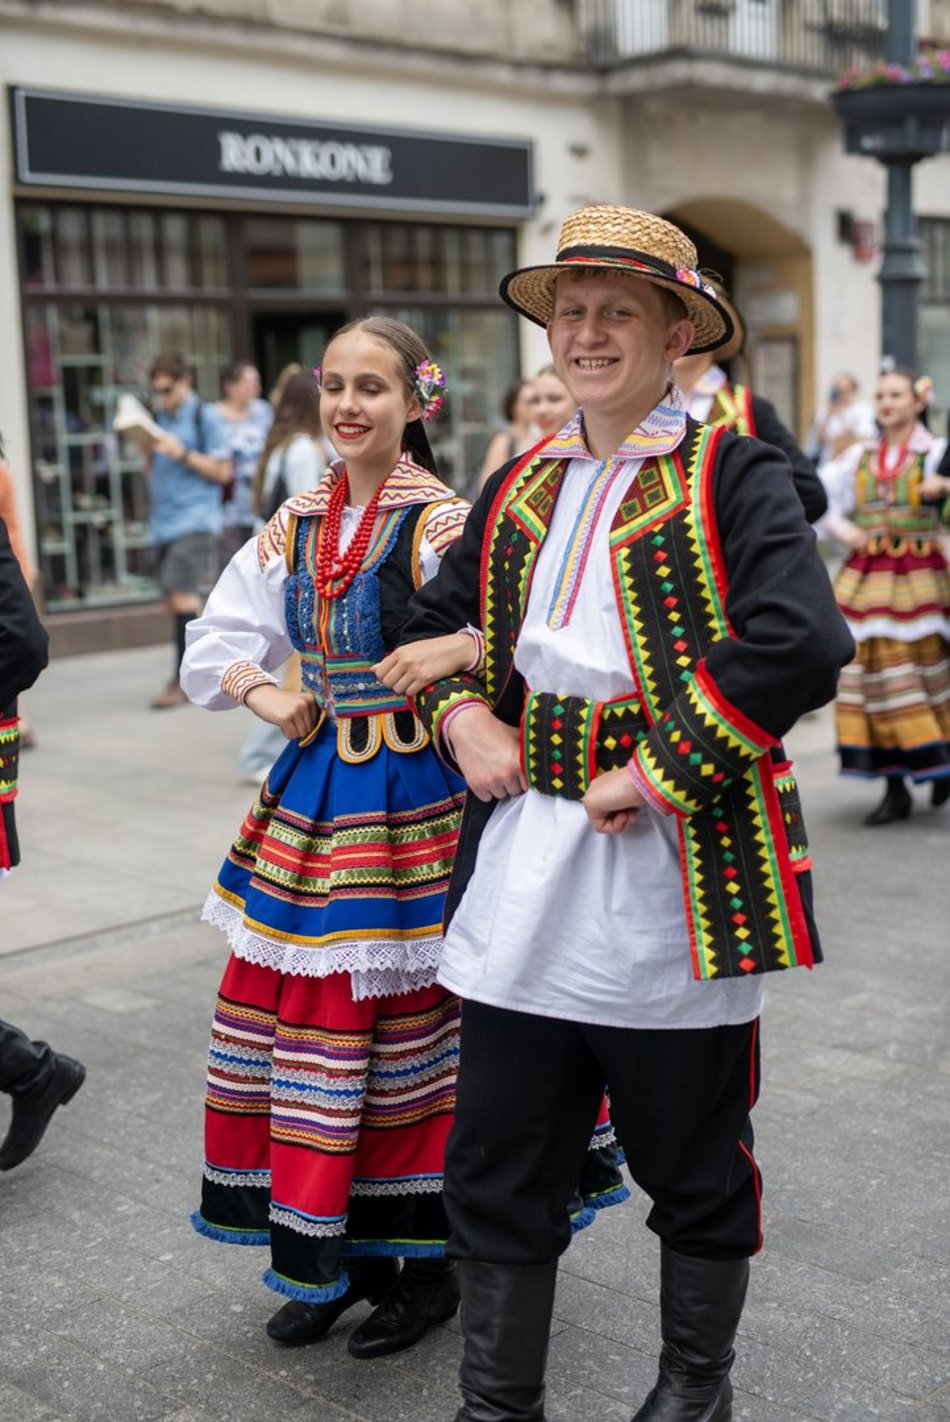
x=701, y=1303
x=425, y=1293
x=298, y=1322
x=896, y=805
x=506, y=1320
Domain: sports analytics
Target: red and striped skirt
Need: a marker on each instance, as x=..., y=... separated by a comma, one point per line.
x=326, y=1122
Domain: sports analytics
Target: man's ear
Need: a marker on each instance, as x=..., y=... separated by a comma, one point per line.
x=680, y=338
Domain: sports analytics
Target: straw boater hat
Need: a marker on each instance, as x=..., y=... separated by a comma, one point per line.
x=638, y=243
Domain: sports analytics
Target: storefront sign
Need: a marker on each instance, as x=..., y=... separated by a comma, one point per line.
x=74, y=141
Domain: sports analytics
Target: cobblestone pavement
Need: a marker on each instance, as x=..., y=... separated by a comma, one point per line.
x=111, y=1309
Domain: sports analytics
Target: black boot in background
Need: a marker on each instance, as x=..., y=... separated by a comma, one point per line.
x=700, y=1304
x=896, y=805
x=506, y=1320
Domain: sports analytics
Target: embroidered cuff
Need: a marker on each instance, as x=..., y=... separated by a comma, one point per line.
x=9, y=756
x=242, y=677
x=434, y=703
x=700, y=744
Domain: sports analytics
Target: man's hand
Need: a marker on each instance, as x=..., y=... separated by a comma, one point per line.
x=613, y=802
x=171, y=446
x=408, y=669
x=294, y=713
x=488, y=753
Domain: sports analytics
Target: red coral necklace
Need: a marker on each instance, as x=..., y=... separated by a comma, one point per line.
x=336, y=570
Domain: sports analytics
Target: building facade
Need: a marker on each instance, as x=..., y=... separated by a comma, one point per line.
x=236, y=179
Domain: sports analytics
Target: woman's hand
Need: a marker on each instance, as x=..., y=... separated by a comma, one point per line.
x=612, y=802
x=408, y=669
x=294, y=713
x=934, y=486
x=854, y=538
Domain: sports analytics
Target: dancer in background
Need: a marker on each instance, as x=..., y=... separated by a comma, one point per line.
x=518, y=433
x=554, y=404
x=245, y=420
x=888, y=501
x=713, y=400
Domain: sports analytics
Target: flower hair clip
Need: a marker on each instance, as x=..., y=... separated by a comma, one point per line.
x=430, y=383
x=924, y=389
x=317, y=374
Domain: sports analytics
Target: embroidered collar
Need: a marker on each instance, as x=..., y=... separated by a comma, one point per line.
x=660, y=433
x=711, y=381
x=407, y=484
x=919, y=441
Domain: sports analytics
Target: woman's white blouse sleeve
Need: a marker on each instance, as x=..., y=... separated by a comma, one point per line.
x=444, y=523
x=241, y=637
x=838, y=477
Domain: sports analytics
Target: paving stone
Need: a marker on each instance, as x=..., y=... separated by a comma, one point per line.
x=19, y=1406
x=75, y=1382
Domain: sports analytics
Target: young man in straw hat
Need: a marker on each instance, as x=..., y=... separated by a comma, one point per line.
x=632, y=856
x=712, y=399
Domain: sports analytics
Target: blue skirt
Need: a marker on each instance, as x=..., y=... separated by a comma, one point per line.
x=341, y=865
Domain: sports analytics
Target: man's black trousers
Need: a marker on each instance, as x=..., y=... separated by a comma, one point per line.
x=528, y=1094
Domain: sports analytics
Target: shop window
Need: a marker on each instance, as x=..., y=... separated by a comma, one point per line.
x=143, y=250
x=110, y=251
x=38, y=266
x=211, y=249
x=91, y=489
x=428, y=258
x=294, y=255
x=73, y=253
x=175, y=250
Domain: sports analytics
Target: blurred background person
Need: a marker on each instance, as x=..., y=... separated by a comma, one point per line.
x=10, y=516
x=188, y=468
x=276, y=393
x=844, y=421
x=886, y=502
x=295, y=453
x=36, y=1078
x=555, y=404
x=246, y=420
x=712, y=399
x=519, y=431
x=294, y=456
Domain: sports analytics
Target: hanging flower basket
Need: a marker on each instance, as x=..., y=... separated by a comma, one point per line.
x=894, y=112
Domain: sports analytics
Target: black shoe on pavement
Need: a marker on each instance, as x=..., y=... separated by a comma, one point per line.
x=940, y=791
x=425, y=1293
x=298, y=1322
x=33, y=1110
x=896, y=805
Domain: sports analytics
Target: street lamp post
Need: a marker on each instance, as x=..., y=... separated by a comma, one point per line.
x=902, y=270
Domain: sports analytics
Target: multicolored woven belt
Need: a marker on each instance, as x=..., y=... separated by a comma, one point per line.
x=567, y=741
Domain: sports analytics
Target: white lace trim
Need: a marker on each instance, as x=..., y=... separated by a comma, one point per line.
x=237, y=1177
x=316, y=1229
x=910, y=631
x=378, y=967
x=392, y=982
x=422, y=1185
x=603, y=1138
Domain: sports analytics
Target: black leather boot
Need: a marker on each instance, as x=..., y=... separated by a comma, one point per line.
x=700, y=1303
x=34, y=1103
x=425, y=1293
x=896, y=805
x=940, y=791
x=506, y=1320
x=298, y=1322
